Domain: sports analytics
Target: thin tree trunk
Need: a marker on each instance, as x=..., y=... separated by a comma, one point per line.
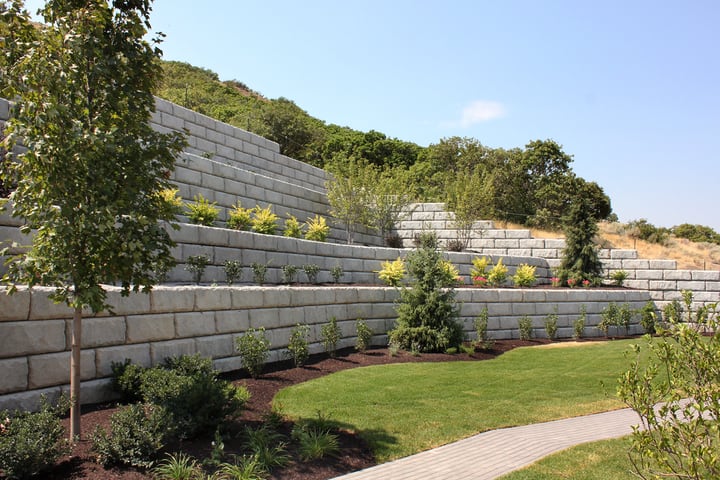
x=75, y=375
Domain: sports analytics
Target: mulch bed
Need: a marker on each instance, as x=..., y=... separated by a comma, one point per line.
x=354, y=454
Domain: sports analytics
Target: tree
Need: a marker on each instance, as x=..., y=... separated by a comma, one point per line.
x=673, y=388
x=580, y=258
x=349, y=193
x=90, y=182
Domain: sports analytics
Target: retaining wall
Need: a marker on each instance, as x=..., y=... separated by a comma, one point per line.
x=171, y=321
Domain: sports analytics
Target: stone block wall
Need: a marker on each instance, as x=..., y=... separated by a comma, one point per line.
x=172, y=321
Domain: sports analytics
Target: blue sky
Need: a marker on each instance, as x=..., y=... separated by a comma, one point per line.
x=630, y=89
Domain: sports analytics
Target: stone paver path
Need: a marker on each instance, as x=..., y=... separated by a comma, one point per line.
x=494, y=453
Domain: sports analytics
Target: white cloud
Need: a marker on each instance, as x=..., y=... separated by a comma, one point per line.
x=481, y=111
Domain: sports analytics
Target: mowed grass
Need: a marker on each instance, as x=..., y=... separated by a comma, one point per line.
x=402, y=409
x=603, y=460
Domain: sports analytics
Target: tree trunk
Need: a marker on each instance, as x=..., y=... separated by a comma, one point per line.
x=75, y=375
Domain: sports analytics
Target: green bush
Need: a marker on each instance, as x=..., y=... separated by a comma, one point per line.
x=393, y=272
x=427, y=314
x=364, y=335
x=337, y=273
x=259, y=272
x=264, y=220
x=524, y=275
x=288, y=273
x=579, y=323
x=201, y=211
x=331, y=334
x=196, y=265
x=551, y=324
x=311, y=272
x=297, y=347
x=31, y=442
x=525, y=327
x=254, y=348
x=498, y=274
x=293, y=228
x=618, y=277
x=317, y=229
x=267, y=446
x=608, y=318
x=483, y=340
x=648, y=317
x=314, y=442
x=240, y=218
x=137, y=433
x=233, y=270
x=127, y=380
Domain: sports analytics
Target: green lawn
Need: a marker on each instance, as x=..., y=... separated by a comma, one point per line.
x=590, y=461
x=402, y=409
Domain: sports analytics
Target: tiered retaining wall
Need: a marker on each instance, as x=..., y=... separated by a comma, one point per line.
x=171, y=321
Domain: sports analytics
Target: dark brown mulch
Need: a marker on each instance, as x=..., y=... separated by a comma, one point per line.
x=354, y=454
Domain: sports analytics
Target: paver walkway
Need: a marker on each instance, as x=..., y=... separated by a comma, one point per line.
x=494, y=453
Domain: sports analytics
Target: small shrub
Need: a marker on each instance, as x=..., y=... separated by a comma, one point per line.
x=297, y=347
x=31, y=442
x=317, y=229
x=525, y=327
x=498, y=274
x=618, y=277
x=314, y=442
x=254, y=348
x=288, y=273
x=625, y=316
x=247, y=467
x=579, y=323
x=393, y=240
x=393, y=349
x=455, y=245
x=524, y=275
x=233, y=270
x=259, y=272
x=240, y=218
x=648, y=317
x=331, y=334
x=311, y=272
x=196, y=264
x=479, y=268
x=608, y=318
x=293, y=228
x=267, y=446
x=337, y=273
x=450, y=273
x=393, y=272
x=481, y=330
x=672, y=312
x=137, y=433
x=177, y=466
x=551, y=324
x=201, y=211
x=264, y=220
x=364, y=335
x=169, y=196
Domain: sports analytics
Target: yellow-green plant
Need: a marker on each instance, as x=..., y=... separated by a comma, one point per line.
x=201, y=211
x=171, y=200
x=240, y=218
x=478, y=271
x=524, y=275
x=450, y=272
x=264, y=220
x=498, y=274
x=393, y=272
x=293, y=228
x=317, y=229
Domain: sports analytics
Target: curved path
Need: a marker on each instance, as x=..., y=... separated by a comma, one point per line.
x=494, y=453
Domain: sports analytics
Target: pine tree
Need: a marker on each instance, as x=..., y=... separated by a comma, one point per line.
x=580, y=258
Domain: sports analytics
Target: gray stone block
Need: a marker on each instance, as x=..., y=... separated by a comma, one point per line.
x=146, y=328
x=159, y=351
x=15, y=375
x=54, y=369
x=677, y=275
x=102, y=331
x=138, y=354
x=32, y=337
x=663, y=264
x=213, y=298
x=16, y=306
x=706, y=275
x=617, y=253
x=217, y=346
x=194, y=324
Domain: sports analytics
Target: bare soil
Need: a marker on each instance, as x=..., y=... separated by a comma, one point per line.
x=354, y=454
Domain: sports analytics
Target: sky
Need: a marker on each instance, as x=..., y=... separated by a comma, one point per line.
x=628, y=88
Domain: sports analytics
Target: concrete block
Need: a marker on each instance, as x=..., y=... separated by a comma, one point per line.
x=33, y=337
x=677, y=275
x=216, y=346
x=15, y=375
x=194, y=324
x=691, y=285
x=662, y=285
x=41, y=307
x=663, y=264
x=213, y=298
x=617, y=253
x=159, y=351
x=649, y=275
x=16, y=306
x=631, y=264
x=135, y=303
x=172, y=299
x=230, y=321
x=264, y=317
x=54, y=369
x=171, y=121
x=146, y=328
x=101, y=331
x=29, y=401
x=138, y=354
x=706, y=275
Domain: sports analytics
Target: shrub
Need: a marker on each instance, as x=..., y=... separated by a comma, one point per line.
x=579, y=323
x=137, y=433
x=31, y=442
x=293, y=228
x=450, y=273
x=479, y=268
x=254, y=349
x=648, y=317
x=233, y=270
x=201, y=211
x=317, y=229
x=259, y=272
x=498, y=274
x=177, y=467
x=196, y=264
x=456, y=245
x=169, y=196
x=311, y=272
x=127, y=380
x=331, y=334
x=264, y=220
x=288, y=273
x=524, y=275
x=314, y=442
x=580, y=259
x=240, y=218
x=551, y=324
x=609, y=318
x=393, y=272
x=618, y=277
x=393, y=240
x=427, y=314
x=364, y=335
x=525, y=327
x=247, y=467
x=337, y=273
x=297, y=347
x=267, y=446
x=672, y=312
x=481, y=330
